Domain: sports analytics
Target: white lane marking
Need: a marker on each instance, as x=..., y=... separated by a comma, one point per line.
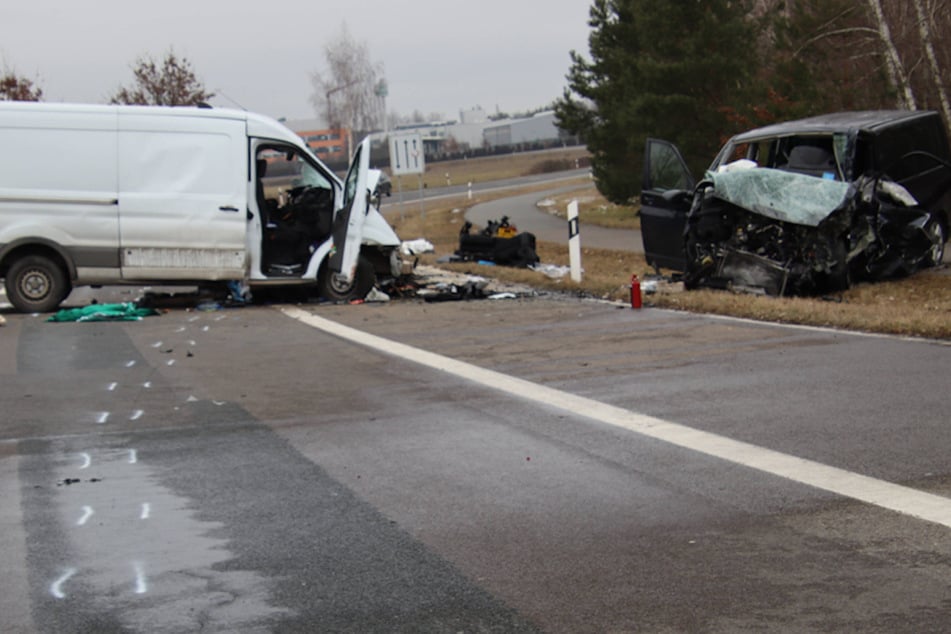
x=157, y=344
x=129, y=364
x=102, y=418
x=192, y=342
x=56, y=588
x=191, y=399
x=205, y=328
x=112, y=387
x=170, y=362
x=180, y=329
x=146, y=511
x=87, y=513
x=137, y=414
x=133, y=456
x=140, y=584
x=829, y=331
x=894, y=497
x=147, y=384
x=87, y=460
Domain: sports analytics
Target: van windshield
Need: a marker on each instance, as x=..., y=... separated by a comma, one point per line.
x=309, y=176
x=824, y=155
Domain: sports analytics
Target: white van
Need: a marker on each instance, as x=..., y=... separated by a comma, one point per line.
x=93, y=195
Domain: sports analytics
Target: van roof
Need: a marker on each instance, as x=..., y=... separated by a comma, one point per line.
x=865, y=120
x=257, y=125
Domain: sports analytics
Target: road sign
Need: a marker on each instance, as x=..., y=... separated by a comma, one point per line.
x=406, y=154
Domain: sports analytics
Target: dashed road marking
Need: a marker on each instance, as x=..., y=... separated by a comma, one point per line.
x=102, y=417
x=56, y=588
x=146, y=511
x=87, y=460
x=141, y=586
x=87, y=513
x=894, y=497
x=137, y=414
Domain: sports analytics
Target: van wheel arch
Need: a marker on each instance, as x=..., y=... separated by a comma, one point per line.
x=36, y=281
x=329, y=287
x=937, y=232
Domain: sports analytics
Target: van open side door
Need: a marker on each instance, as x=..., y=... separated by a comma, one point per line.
x=348, y=223
x=666, y=196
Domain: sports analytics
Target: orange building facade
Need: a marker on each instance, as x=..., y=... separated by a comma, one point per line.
x=327, y=144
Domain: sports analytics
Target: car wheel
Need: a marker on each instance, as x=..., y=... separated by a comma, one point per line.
x=331, y=286
x=935, y=232
x=36, y=284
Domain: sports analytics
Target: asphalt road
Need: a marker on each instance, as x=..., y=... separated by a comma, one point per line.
x=249, y=471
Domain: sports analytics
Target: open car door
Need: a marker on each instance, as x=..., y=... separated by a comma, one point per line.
x=666, y=196
x=348, y=223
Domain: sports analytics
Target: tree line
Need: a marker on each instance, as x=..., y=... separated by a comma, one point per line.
x=695, y=73
x=170, y=81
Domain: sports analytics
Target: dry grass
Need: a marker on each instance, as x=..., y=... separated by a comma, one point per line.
x=916, y=306
x=594, y=209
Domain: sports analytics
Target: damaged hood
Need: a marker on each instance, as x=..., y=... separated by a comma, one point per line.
x=780, y=195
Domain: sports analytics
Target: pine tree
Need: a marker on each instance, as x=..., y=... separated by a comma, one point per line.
x=670, y=69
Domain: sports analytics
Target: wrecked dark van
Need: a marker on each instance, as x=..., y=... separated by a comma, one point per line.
x=805, y=206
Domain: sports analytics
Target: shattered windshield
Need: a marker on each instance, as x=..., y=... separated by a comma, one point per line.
x=785, y=196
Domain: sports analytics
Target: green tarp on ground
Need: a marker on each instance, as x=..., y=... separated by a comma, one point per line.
x=104, y=312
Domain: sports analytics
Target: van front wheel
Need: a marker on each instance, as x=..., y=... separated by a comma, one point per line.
x=36, y=284
x=333, y=287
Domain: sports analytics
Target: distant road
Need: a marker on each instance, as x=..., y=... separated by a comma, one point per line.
x=411, y=196
x=524, y=212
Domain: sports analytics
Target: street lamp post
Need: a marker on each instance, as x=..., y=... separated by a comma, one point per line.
x=330, y=113
x=381, y=90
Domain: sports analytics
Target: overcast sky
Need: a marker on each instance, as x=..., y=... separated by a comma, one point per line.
x=438, y=55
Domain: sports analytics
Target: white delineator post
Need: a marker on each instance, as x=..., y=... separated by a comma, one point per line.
x=574, y=242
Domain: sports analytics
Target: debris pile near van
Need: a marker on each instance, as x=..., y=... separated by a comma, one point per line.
x=438, y=285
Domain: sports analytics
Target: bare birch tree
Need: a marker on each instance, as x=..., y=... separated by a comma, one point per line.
x=345, y=94
x=893, y=62
x=925, y=33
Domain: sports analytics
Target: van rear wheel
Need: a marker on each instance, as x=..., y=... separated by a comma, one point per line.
x=36, y=284
x=333, y=287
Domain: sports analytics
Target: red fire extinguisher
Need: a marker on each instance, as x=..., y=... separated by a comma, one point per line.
x=635, y=292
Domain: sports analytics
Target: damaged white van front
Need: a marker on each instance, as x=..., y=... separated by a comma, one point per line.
x=93, y=195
